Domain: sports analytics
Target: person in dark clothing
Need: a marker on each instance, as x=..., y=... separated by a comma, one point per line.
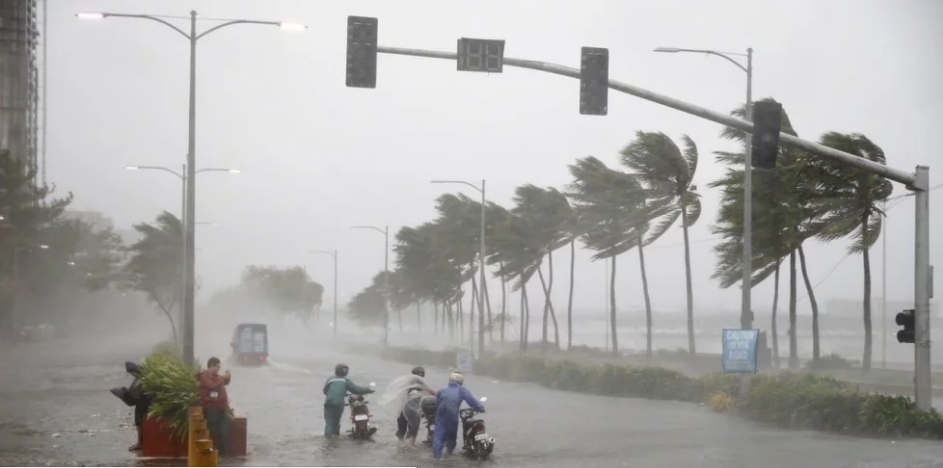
x=215, y=403
x=134, y=396
x=335, y=389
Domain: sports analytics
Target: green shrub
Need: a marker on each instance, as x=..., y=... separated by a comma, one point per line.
x=831, y=362
x=789, y=399
x=172, y=386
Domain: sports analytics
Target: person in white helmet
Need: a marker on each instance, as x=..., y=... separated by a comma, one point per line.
x=448, y=401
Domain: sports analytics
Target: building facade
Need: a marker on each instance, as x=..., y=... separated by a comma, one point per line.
x=19, y=79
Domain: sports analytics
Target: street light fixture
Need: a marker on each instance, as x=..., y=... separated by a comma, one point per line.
x=190, y=211
x=334, y=255
x=746, y=314
x=481, y=271
x=386, y=278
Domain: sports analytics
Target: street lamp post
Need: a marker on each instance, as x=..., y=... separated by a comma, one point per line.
x=481, y=269
x=746, y=314
x=182, y=175
x=386, y=279
x=334, y=256
x=192, y=37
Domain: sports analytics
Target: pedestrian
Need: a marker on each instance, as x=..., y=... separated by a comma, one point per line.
x=409, y=385
x=335, y=389
x=216, y=404
x=448, y=401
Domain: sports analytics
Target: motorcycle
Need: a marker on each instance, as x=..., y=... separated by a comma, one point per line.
x=428, y=413
x=476, y=442
x=360, y=417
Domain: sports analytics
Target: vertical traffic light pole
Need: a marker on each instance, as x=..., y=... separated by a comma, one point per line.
x=361, y=73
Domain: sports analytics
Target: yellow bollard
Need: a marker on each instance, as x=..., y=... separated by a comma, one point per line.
x=196, y=416
x=206, y=455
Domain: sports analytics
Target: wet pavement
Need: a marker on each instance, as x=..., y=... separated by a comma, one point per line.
x=55, y=409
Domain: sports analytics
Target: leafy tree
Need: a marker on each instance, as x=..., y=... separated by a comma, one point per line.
x=289, y=290
x=155, y=267
x=27, y=210
x=367, y=307
x=784, y=217
x=612, y=205
x=849, y=198
x=668, y=174
x=549, y=216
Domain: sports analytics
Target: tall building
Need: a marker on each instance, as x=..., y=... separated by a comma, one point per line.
x=19, y=79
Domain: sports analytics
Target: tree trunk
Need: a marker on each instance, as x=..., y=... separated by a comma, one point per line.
x=866, y=258
x=553, y=313
x=460, y=316
x=548, y=308
x=813, y=303
x=612, y=308
x=569, y=305
x=546, y=316
x=173, y=326
x=525, y=315
x=490, y=322
x=687, y=277
x=471, y=315
x=451, y=319
x=648, y=302
x=774, y=327
x=504, y=301
x=435, y=323
x=793, y=346
x=419, y=316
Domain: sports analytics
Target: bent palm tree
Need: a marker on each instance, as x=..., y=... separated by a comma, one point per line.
x=668, y=175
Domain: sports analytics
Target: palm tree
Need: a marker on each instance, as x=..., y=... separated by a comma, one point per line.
x=516, y=253
x=613, y=206
x=668, y=175
x=849, y=199
x=784, y=216
x=548, y=212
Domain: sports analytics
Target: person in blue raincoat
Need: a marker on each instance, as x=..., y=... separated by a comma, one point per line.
x=448, y=401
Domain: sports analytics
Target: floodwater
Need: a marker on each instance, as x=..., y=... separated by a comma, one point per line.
x=55, y=408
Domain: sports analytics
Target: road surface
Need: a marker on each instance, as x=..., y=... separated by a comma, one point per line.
x=55, y=409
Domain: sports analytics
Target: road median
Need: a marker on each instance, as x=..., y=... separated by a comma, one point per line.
x=800, y=400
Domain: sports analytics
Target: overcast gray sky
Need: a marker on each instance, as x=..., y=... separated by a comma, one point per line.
x=318, y=157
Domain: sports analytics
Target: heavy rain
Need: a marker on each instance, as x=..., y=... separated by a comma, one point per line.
x=245, y=233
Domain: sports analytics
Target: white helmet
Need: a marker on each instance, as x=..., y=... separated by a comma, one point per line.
x=457, y=377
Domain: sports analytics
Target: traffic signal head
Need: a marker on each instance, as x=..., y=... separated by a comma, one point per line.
x=767, y=120
x=361, y=52
x=907, y=320
x=594, y=81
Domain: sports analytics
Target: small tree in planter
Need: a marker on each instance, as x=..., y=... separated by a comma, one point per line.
x=171, y=384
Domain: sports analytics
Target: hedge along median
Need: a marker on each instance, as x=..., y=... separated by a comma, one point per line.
x=787, y=400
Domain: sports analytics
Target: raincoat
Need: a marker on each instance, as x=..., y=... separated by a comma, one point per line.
x=448, y=401
x=401, y=400
x=335, y=389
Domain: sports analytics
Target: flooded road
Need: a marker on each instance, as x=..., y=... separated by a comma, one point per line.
x=55, y=407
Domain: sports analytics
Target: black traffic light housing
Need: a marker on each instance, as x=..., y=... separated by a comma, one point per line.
x=594, y=81
x=361, y=52
x=767, y=121
x=906, y=319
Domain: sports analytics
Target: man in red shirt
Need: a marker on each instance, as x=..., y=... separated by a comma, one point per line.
x=215, y=404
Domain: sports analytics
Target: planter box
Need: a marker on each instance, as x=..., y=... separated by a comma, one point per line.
x=238, y=431
x=158, y=442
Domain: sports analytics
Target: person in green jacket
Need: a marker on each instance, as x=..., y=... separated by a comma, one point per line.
x=335, y=389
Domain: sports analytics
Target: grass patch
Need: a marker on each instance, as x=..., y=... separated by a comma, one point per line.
x=787, y=399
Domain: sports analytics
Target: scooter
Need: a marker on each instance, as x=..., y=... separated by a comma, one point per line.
x=476, y=442
x=360, y=417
